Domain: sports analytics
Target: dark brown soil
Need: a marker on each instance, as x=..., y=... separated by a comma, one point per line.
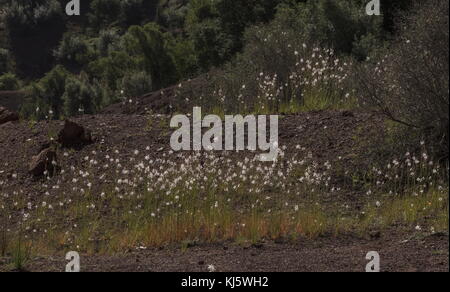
x=399, y=252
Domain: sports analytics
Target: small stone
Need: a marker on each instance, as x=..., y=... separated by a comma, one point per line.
x=43, y=162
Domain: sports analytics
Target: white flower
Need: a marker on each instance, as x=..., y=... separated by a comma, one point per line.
x=418, y=228
x=211, y=268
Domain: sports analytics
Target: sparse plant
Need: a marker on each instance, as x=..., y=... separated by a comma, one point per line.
x=21, y=252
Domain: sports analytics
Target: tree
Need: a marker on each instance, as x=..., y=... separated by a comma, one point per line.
x=152, y=44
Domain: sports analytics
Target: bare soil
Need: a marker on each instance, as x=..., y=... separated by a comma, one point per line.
x=399, y=252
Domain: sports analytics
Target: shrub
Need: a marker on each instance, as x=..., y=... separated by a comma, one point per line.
x=216, y=28
x=80, y=97
x=136, y=84
x=336, y=24
x=45, y=96
x=149, y=43
x=25, y=17
x=104, y=95
x=184, y=56
x=111, y=69
x=132, y=12
x=105, y=13
x=282, y=68
x=60, y=94
x=173, y=18
x=9, y=81
x=236, y=15
x=410, y=83
x=213, y=47
x=73, y=51
x=107, y=40
x=5, y=61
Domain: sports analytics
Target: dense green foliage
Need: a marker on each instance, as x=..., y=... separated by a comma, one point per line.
x=9, y=81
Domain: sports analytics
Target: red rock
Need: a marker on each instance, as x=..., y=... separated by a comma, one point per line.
x=74, y=134
x=42, y=162
x=7, y=116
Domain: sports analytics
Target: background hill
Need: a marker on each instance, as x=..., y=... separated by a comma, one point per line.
x=172, y=40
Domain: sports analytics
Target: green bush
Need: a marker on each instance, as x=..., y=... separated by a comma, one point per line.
x=80, y=97
x=59, y=94
x=173, y=17
x=5, y=61
x=108, y=40
x=213, y=47
x=136, y=84
x=103, y=94
x=105, y=13
x=74, y=51
x=184, y=56
x=113, y=68
x=45, y=96
x=340, y=25
x=285, y=67
x=150, y=44
x=216, y=28
x=9, y=81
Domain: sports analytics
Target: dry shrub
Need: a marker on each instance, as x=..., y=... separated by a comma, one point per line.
x=410, y=83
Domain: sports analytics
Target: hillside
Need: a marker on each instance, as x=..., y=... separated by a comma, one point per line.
x=87, y=112
x=337, y=138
